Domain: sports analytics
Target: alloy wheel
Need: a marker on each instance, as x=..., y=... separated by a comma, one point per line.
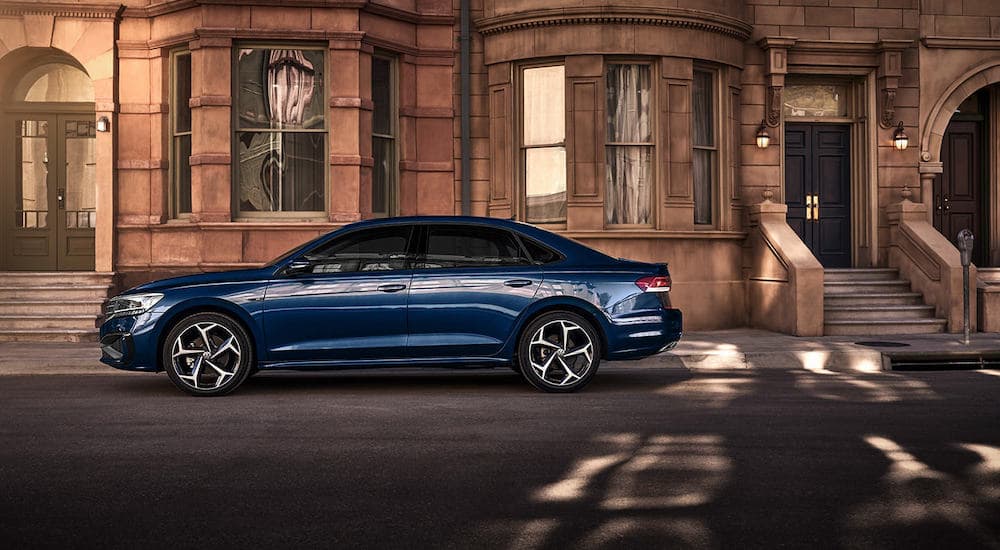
x=560, y=353
x=206, y=355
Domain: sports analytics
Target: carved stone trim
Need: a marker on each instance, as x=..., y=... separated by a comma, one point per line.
x=773, y=108
x=668, y=17
x=961, y=43
x=60, y=9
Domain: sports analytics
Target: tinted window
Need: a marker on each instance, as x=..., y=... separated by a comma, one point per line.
x=382, y=249
x=470, y=246
x=540, y=253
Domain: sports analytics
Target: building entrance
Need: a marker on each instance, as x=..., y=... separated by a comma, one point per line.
x=818, y=189
x=50, y=188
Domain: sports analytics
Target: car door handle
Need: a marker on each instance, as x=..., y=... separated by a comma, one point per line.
x=393, y=287
x=516, y=283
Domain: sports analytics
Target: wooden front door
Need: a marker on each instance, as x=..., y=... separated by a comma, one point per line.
x=818, y=189
x=49, y=192
x=959, y=200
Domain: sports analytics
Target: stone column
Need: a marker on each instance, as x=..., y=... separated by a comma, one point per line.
x=584, y=152
x=211, y=103
x=350, y=126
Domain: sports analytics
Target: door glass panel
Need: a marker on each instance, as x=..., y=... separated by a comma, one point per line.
x=32, y=178
x=381, y=249
x=81, y=175
x=464, y=246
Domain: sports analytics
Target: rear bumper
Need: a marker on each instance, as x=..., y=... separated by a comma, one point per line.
x=638, y=336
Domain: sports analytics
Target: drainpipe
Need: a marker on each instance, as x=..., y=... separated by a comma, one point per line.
x=464, y=45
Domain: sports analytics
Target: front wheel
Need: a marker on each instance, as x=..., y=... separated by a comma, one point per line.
x=559, y=352
x=207, y=354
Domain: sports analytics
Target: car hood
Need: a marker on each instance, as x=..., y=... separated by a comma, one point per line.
x=236, y=276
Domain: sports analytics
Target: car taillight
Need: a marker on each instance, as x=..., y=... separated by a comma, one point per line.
x=656, y=283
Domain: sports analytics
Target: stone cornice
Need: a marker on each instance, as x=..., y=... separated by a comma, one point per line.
x=961, y=43
x=668, y=17
x=60, y=9
x=170, y=6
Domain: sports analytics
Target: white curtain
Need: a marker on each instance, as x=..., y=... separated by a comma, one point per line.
x=629, y=154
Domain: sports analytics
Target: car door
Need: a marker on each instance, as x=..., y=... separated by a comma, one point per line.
x=346, y=300
x=470, y=283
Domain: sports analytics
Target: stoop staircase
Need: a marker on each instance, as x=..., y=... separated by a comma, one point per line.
x=51, y=306
x=874, y=302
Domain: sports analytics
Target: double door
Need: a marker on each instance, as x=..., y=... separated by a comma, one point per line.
x=818, y=189
x=49, y=189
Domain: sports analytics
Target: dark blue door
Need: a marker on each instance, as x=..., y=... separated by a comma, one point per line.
x=469, y=286
x=818, y=189
x=349, y=304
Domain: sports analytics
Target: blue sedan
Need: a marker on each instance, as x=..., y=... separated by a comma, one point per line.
x=443, y=291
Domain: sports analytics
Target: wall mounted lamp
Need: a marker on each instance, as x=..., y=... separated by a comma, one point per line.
x=763, y=138
x=103, y=124
x=899, y=138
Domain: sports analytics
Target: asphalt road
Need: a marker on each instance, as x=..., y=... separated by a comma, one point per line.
x=644, y=458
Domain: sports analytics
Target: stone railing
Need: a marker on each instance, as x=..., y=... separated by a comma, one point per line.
x=929, y=261
x=785, y=279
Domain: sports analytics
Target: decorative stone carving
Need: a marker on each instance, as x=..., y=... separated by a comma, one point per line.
x=776, y=48
x=890, y=70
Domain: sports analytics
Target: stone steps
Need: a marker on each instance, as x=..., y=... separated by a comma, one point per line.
x=51, y=306
x=870, y=302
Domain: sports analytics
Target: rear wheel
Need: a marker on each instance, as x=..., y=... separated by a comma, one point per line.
x=207, y=354
x=559, y=352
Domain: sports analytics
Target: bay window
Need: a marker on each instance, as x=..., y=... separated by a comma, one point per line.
x=628, y=145
x=543, y=144
x=704, y=144
x=280, y=130
x=180, y=132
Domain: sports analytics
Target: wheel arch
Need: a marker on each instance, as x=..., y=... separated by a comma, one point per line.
x=561, y=303
x=184, y=309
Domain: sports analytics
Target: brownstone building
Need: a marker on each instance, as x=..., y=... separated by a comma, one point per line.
x=803, y=166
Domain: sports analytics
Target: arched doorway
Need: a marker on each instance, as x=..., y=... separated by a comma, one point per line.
x=48, y=176
x=962, y=191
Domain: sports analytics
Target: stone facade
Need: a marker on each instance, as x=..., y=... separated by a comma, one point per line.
x=908, y=61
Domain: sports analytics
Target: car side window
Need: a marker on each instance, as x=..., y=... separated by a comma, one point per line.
x=540, y=253
x=379, y=249
x=470, y=246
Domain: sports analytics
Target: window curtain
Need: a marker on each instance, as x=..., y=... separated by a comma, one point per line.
x=629, y=153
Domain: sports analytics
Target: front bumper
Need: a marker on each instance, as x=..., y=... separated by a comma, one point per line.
x=129, y=343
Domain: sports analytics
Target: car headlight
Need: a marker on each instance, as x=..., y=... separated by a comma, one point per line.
x=131, y=304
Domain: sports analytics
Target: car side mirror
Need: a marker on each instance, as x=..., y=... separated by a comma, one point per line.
x=298, y=267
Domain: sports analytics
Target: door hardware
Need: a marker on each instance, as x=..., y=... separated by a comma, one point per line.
x=61, y=198
x=391, y=287
x=815, y=207
x=809, y=204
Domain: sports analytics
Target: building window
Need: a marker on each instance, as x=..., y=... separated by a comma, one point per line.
x=280, y=130
x=704, y=141
x=384, y=172
x=629, y=145
x=815, y=101
x=543, y=143
x=180, y=132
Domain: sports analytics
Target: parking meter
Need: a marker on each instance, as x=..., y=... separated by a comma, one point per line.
x=965, y=242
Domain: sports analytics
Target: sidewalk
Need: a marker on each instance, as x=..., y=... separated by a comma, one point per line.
x=722, y=349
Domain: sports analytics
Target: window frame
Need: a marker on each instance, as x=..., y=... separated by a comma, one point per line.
x=392, y=193
x=715, y=150
x=653, y=144
x=519, y=126
x=172, y=169
x=235, y=130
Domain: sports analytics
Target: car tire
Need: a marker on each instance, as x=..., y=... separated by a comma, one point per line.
x=207, y=369
x=559, y=352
